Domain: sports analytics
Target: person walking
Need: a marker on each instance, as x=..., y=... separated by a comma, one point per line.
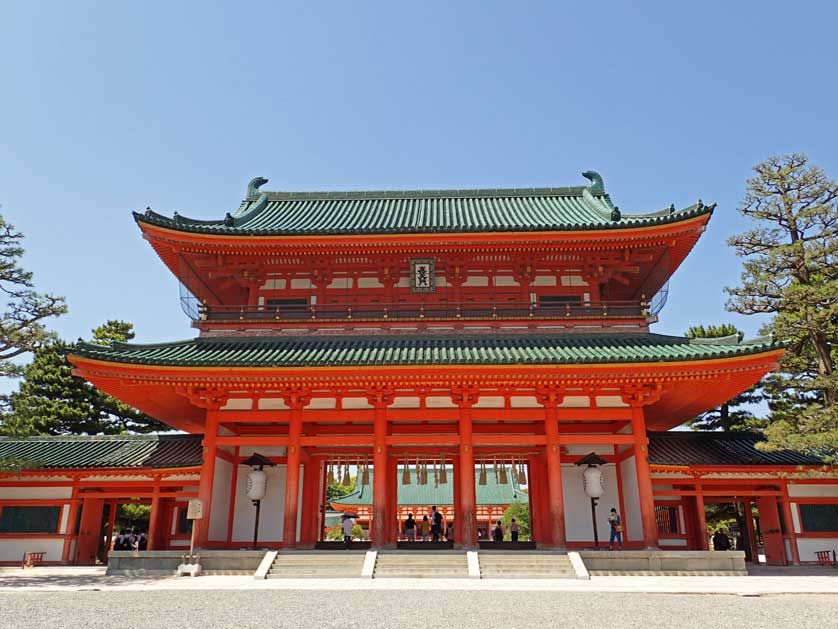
x=449, y=531
x=616, y=523
x=425, y=528
x=720, y=540
x=348, y=523
x=497, y=532
x=436, y=524
x=514, y=530
x=410, y=528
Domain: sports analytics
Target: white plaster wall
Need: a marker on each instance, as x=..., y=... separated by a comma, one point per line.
x=220, y=500
x=30, y=493
x=813, y=491
x=795, y=518
x=65, y=515
x=272, y=509
x=672, y=542
x=631, y=500
x=807, y=547
x=12, y=548
x=577, y=505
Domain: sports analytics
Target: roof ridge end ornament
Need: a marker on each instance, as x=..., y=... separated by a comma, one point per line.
x=253, y=187
x=597, y=186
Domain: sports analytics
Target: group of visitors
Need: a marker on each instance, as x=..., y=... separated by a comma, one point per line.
x=131, y=539
x=499, y=531
x=430, y=528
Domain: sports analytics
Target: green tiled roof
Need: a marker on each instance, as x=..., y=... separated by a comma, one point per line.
x=140, y=451
x=492, y=493
x=424, y=350
x=429, y=211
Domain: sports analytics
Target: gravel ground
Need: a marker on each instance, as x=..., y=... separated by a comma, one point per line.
x=370, y=609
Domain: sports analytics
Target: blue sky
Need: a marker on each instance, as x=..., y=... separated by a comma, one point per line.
x=109, y=107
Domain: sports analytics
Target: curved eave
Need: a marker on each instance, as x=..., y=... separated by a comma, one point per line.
x=195, y=233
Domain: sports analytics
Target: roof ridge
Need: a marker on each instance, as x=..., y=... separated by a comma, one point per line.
x=132, y=437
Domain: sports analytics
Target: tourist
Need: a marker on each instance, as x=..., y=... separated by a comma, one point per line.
x=119, y=541
x=142, y=541
x=436, y=524
x=425, y=529
x=616, y=523
x=449, y=531
x=514, y=529
x=410, y=528
x=720, y=540
x=348, y=523
x=497, y=533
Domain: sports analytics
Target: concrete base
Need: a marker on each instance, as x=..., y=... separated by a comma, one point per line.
x=664, y=561
x=166, y=562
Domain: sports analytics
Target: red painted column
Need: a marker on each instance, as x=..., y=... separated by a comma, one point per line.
x=466, y=510
x=205, y=485
x=790, y=535
x=455, y=479
x=703, y=540
x=380, y=486
x=154, y=517
x=292, y=473
x=70, y=533
x=644, y=478
x=555, y=492
x=311, y=490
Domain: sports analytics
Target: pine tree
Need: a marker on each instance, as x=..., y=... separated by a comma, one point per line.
x=24, y=309
x=790, y=273
x=51, y=400
x=733, y=415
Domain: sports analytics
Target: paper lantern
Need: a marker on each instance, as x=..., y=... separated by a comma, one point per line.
x=257, y=482
x=593, y=482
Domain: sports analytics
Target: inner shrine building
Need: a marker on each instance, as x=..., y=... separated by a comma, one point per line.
x=421, y=331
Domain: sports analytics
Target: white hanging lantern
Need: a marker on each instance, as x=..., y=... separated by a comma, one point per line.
x=257, y=482
x=593, y=482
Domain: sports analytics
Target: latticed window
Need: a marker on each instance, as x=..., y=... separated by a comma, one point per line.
x=667, y=519
x=819, y=518
x=29, y=519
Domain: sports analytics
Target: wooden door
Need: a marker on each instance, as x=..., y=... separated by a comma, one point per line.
x=90, y=530
x=772, y=534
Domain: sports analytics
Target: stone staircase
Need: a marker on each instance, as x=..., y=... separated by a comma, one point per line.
x=317, y=565
x=421, y=565
x=525, y=565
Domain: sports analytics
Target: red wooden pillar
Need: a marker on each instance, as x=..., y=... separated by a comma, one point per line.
x=466, y=509
x=392, y=500
x=292, y=472
x=644, y=478
x=790, y=535
x=310, y=508
x=555, y=492
x=380, y=484
x=455, y=479
x=207, y=475
x=70, y=532
x=703, y=539
x=154, y=517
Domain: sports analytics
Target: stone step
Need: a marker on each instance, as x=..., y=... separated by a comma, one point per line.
x=529, y=575
x=668, y=573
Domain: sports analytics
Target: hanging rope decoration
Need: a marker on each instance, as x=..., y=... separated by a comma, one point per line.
x=365, y=477
x=443, y=473
x=522, y=474
x=406, y=473
x=347, y=480
x=503, y=478
x=495, y=465
x=330, y=477
x=482, y=478
x=418, y=472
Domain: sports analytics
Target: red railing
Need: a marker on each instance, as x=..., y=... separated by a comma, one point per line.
x=412, y=311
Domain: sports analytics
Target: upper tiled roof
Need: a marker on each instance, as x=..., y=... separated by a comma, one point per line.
x=423, y=211
x=105, y=451
x=714, y=448
x=424, y=350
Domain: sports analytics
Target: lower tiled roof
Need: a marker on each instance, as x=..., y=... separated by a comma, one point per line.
x=425, y=350
x=714, y=448
x=105, y=451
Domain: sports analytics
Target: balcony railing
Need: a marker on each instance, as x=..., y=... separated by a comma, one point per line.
x=411, y=311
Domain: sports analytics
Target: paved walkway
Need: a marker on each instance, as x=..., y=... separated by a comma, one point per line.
x=778, y=581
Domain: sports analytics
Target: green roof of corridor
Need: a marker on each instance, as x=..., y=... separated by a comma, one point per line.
x=329, y=351
x=423, y=211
